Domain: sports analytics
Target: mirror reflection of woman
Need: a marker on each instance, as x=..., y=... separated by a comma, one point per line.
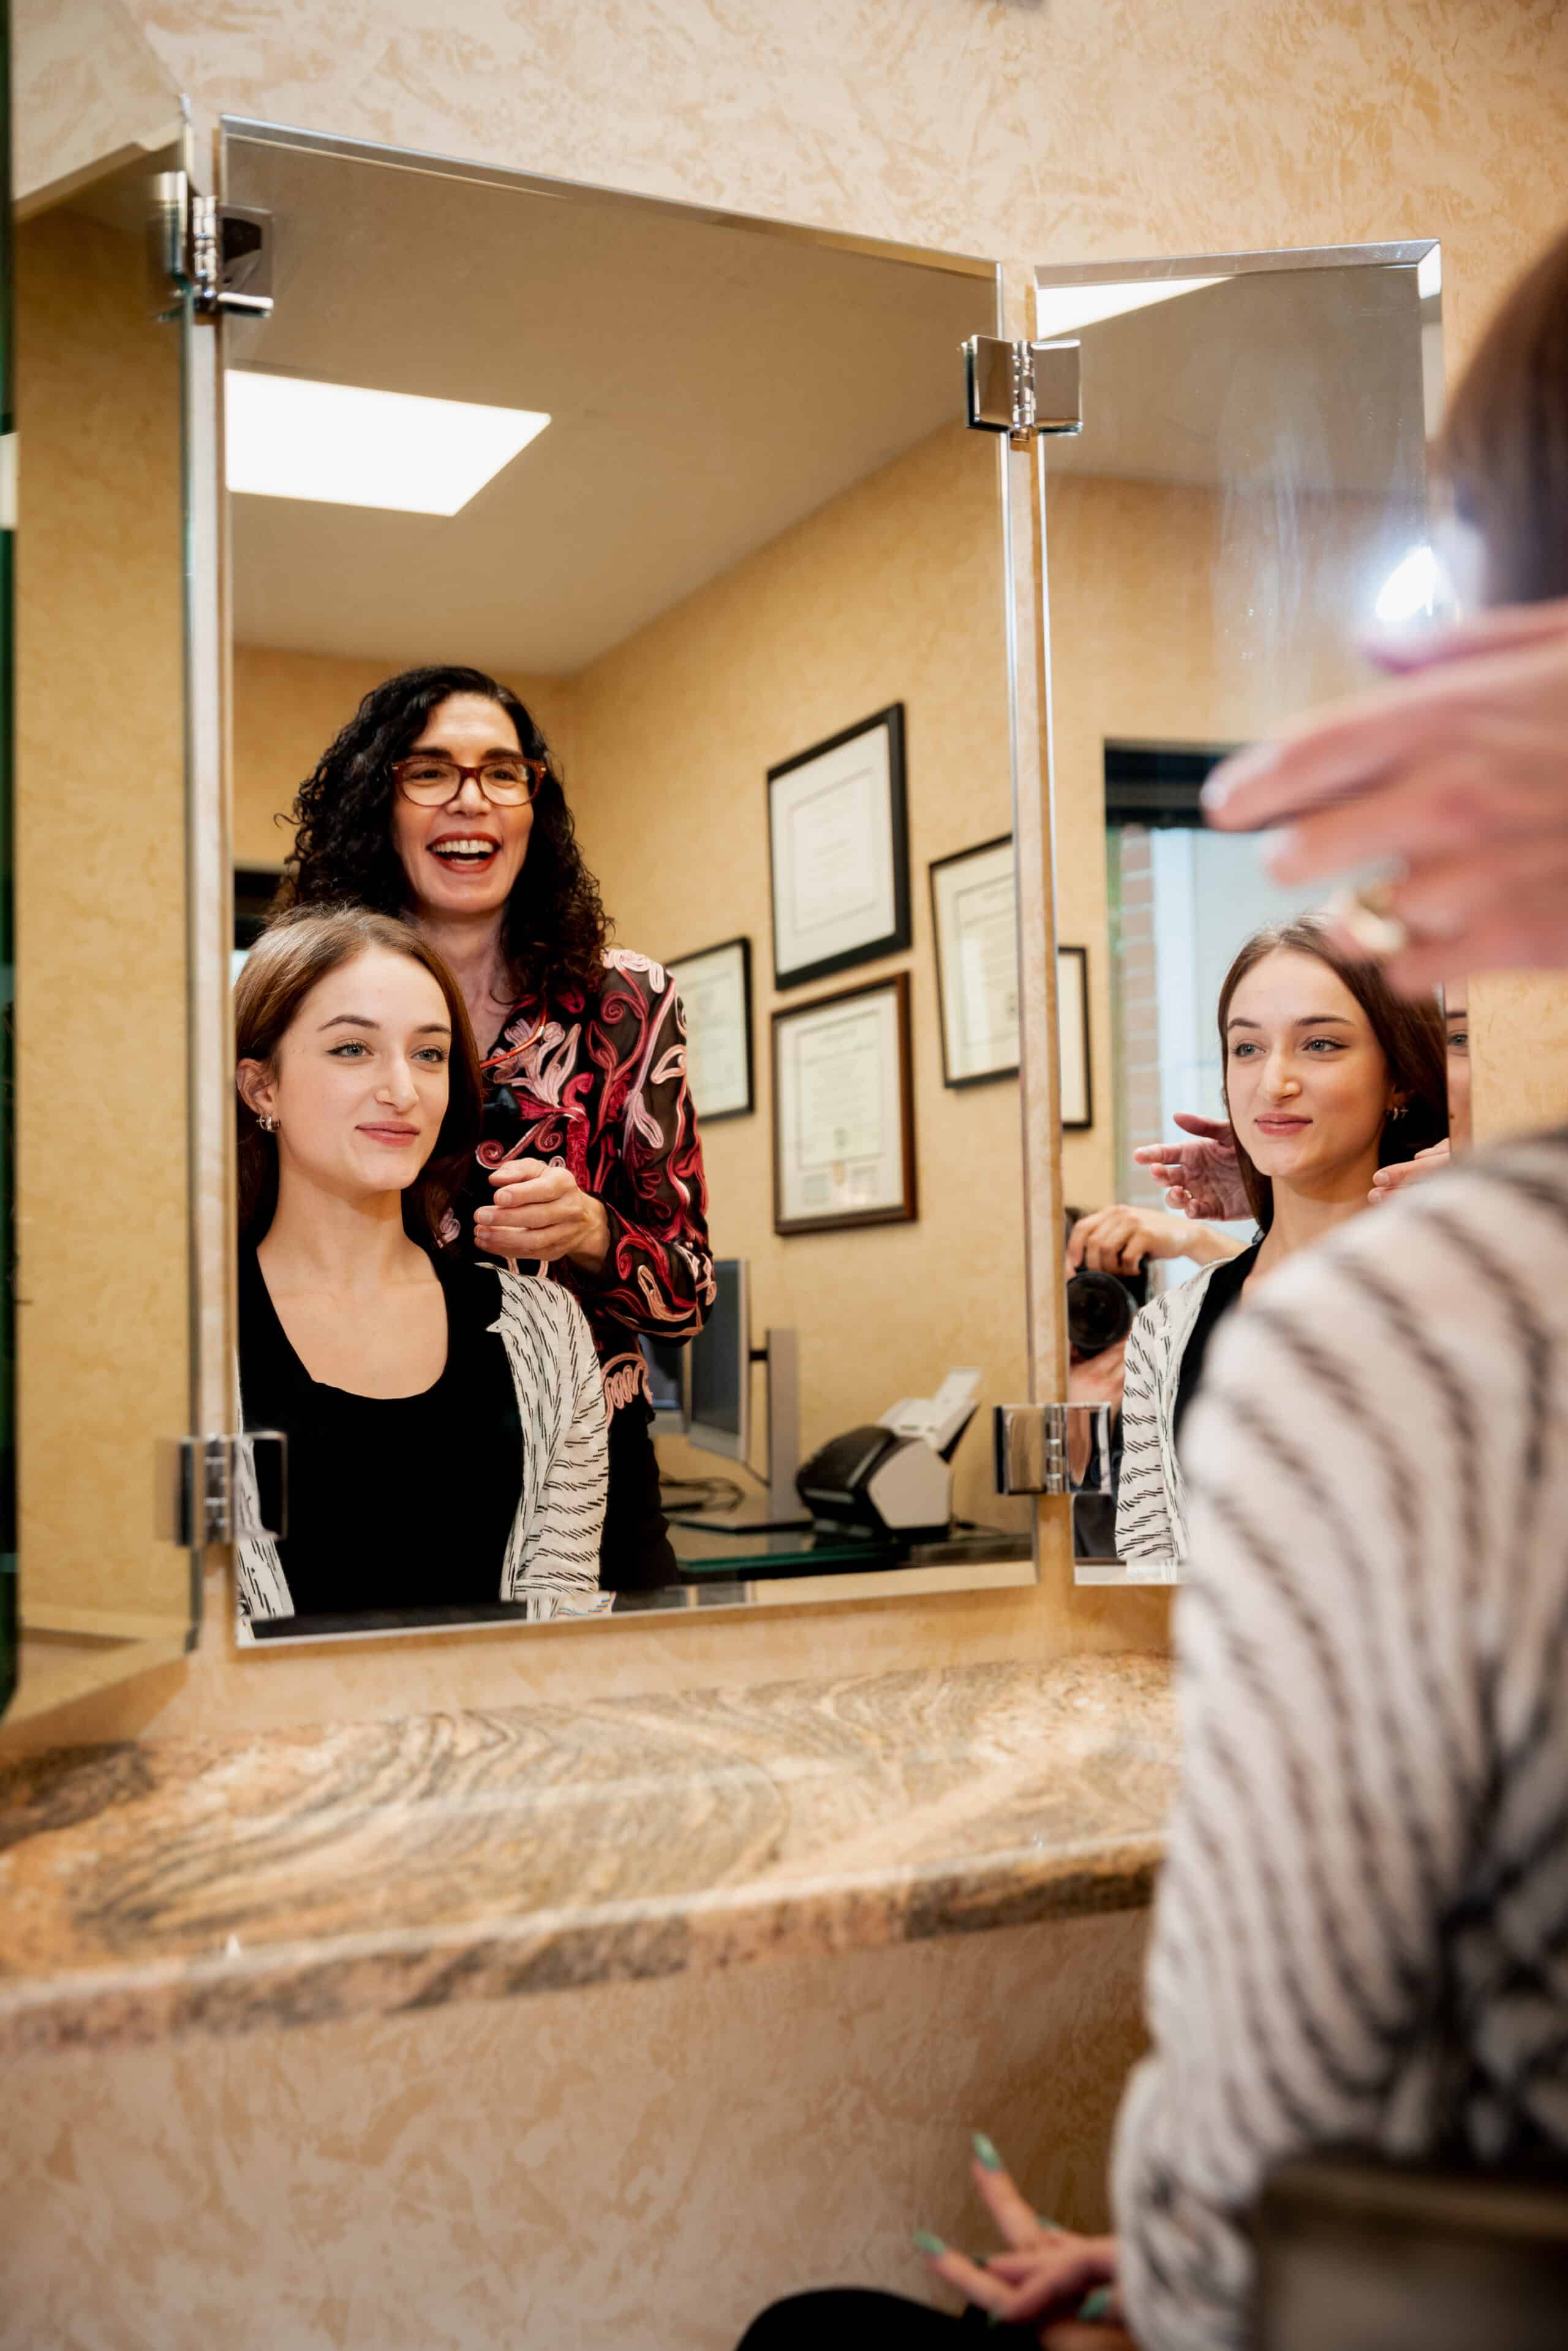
x=446, y=1419
x=439, y=801
x=1328, y=1077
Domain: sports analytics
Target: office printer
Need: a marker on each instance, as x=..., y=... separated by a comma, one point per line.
x=892, y=1479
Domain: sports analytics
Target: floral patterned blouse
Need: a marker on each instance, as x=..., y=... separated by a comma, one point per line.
x=597, y=1083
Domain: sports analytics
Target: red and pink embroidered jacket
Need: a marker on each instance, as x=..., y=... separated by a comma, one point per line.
x=597, y=1083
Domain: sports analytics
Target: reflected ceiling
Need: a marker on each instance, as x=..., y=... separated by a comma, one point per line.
x=1312, y=376
x=708, y=386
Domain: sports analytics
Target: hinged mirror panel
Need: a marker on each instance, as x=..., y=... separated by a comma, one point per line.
x=696, y=492
x=102, y=1230
x=1249, y=491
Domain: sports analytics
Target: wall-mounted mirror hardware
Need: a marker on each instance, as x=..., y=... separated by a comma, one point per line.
x=168, y=227
x=223, y=1489
x=1023, y=390
x=1052, y=1448
x=231, y=255
x=219, y=254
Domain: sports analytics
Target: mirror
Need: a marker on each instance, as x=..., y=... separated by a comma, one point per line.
x=696, y=492
x=1248, y=492
x=96, y=839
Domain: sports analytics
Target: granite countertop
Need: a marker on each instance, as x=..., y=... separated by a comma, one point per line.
x=169, y=1886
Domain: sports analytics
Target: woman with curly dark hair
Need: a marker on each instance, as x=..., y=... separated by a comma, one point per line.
x=439, y=801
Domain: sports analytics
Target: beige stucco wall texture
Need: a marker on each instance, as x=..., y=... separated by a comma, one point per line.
x=715, y=2158
x=634, y=2168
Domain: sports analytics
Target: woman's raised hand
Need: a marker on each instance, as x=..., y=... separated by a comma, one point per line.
x=1202, y=1178
x=1457, y=774
x=1390, y=1180
x=537, y=1212
x=1118, y=1239
x=1045, y=2277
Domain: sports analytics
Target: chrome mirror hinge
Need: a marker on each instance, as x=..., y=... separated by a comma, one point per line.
x=1052, y=1448
x=220, y=255
x=231, y=259
x=207, y=1488
x=1024, y=390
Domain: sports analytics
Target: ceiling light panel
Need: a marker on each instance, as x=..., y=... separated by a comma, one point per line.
x=1063, y=309
x=340, y=445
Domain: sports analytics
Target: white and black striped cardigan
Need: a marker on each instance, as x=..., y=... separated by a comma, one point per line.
x=551, y=1563
x=1362, y=1926
x=1151, y=1498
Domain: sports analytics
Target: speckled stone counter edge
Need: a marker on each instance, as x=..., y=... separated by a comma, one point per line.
x=402, y=1971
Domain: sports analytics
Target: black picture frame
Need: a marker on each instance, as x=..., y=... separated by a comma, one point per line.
x=891, y=942
x=748, y=1108
x=1078, y=1125
x=906, y=1209
x=1002, y=1070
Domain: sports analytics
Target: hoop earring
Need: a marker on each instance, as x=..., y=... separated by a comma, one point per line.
x=1398, y=1111
x=267, y=1124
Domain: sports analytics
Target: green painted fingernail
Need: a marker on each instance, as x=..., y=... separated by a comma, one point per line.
x=984, y=2152
x=1042, y=2222
x=928, y=2243
x=1096, y=2305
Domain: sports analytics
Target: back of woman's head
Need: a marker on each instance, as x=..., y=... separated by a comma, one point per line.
x=554, y=927
x=1505, y=442
x=295, y=951
x=1410, y=1035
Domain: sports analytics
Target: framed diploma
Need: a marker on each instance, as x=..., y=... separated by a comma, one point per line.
x=844, y=1119
x=840, y=851
x=1073, y=1035
x=715, y=989
x=974, y=916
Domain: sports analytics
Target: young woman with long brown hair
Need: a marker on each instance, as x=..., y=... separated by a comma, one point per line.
x=446, y=1420
x=1328, y=1077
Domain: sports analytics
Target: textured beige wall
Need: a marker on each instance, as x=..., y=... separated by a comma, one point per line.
x=891, y=593
x=102, y=1175
x=638, y=2168
x=288, y=706
x=1519, y=1046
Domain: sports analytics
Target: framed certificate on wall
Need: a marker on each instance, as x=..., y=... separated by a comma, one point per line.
x=844, y=1115
x=974, y=916
x=838, y=837
x=715, y=989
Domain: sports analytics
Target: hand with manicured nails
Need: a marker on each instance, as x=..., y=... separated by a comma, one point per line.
x=1388, y=1181
x=1457, y=774
x=1202, y=1176
x=541, y=1212
x=1062, y=2286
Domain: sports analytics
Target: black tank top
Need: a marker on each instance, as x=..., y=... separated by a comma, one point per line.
x=395, y=1503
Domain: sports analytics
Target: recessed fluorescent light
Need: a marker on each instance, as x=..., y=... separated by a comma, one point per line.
x=1062, y=310
x=342, y=445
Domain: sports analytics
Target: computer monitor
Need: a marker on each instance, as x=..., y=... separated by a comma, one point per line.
x=666, y=1369
x=718, y=1368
